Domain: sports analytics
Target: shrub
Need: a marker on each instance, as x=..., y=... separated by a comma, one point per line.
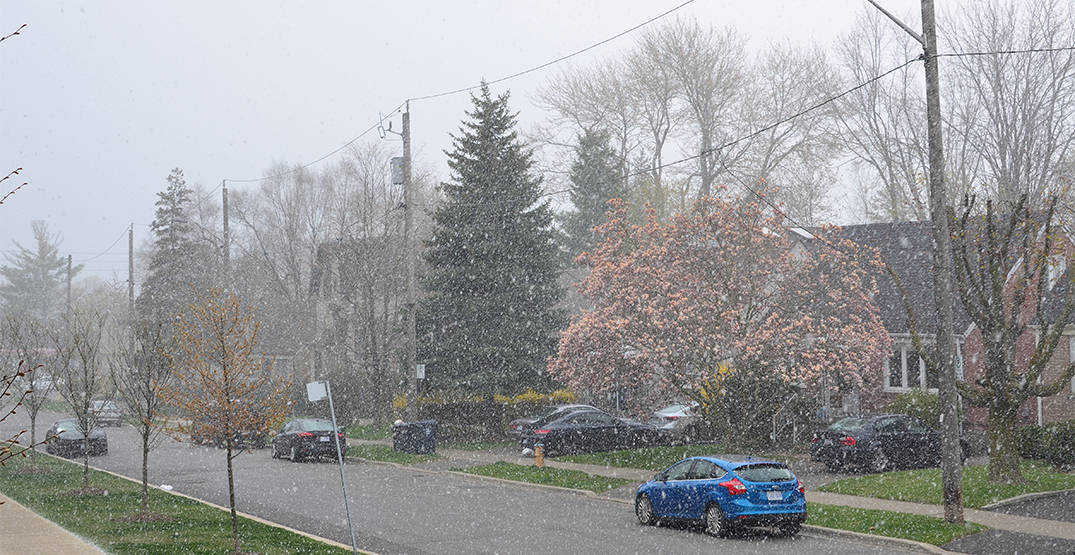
x=920, y=404
x=1030, y=441
x=1059, y=443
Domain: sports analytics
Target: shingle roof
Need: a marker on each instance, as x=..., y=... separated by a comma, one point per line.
x=908, y=248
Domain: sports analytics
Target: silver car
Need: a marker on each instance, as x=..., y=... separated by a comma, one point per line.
x=106, y=413
x=678, y=419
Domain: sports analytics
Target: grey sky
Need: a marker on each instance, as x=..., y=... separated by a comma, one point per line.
x=101, y=99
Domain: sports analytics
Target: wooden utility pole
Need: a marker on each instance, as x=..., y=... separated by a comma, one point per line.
x=130, y=287
x=227, y=236
x=411, y=357
x=68, y=286
x=951, y=458
x=945, y=360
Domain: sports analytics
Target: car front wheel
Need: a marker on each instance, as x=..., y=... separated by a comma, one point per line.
x=715, y=523
x=644, y=510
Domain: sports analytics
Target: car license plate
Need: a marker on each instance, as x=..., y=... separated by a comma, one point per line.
x=323, y=438
x=827, y=442
x=774, y=495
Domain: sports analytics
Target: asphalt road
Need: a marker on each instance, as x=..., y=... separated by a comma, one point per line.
x=398, y=510
x=1060, y=506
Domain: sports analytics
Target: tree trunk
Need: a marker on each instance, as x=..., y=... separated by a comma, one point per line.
x=145, y=467
x=33, y=438
x=85, y=461
x=231, y=495
x=1003, y=449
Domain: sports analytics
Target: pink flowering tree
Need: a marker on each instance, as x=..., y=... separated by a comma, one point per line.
x=722, y=284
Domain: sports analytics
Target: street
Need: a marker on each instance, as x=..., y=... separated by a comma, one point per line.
x=400, y=510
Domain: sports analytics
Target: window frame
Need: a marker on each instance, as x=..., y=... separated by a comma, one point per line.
x=921, y=379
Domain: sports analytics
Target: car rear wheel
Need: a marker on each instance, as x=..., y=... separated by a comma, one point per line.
x=295, y=455
x=879, y=461
x=790, y=528
x=644, y=510
x=715, y=523
x=834, y=464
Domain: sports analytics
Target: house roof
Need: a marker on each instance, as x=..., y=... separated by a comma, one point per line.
x=908, y=248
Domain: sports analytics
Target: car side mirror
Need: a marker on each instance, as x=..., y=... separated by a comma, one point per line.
x=660, y=477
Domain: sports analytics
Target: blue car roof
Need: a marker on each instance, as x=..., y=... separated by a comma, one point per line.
x=732, y=462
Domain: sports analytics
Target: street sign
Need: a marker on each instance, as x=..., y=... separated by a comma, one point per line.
x=315, y=391
x=421, y=371
x=397, y=171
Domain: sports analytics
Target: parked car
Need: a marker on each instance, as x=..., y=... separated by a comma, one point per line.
x=306, y=437
x=878, y=443
x=723, y=493
x=521, y=426
x=588, y=431
x=106, y=413
x=65, y=437
x=678, y=419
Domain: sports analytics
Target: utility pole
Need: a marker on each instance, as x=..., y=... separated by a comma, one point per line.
x=130, y=287
x=411, y=358
x=227, y=237
x=68, y=287
x=951, y=463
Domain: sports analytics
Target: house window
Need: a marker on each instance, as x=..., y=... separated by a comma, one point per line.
x=1071, y=357
x=1057, y=265
x=906, y=370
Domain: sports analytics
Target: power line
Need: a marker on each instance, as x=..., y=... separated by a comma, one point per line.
x=104, y=252
x=557, y=60
x=1005, y=52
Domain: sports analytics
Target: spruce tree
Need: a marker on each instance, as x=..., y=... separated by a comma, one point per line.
x=595, y=178
x=490, y=316
x=179, y=264
x=36, y=278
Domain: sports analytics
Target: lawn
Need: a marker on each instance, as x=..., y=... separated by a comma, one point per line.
x=924, y=485
x=921, y=528
x=369, y=431
x=385, y=453
x=476, y=445
x=649, y=458
x=548, y=476
x=192, y=527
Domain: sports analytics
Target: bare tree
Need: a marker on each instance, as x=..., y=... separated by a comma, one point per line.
x=27, y=339
x=139, y=376
x=79, y=361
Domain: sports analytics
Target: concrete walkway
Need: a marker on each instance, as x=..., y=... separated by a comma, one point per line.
x=24, y=532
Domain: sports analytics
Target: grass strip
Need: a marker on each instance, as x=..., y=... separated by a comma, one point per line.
x=924, y=485
x=369, y=431
x=191, y=526
x=385, y=453
x=548, y=476
x=650, y=458
x=464, y=445
x=926, y=529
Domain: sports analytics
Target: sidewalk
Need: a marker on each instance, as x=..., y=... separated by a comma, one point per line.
x=24, y=532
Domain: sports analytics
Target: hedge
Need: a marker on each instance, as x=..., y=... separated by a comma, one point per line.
x=1054, y=443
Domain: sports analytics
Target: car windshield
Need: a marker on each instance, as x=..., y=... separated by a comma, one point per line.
x=768, y=472
x=850, y=424
x=317, y=426
x=673, y=408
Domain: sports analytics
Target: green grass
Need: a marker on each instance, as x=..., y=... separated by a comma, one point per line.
x=924, y=485
x=476, y=445
x=386, y=453
x=548, y=476
x=369, y=431
x=194, y=528
x=921, y=528
x=649, y=458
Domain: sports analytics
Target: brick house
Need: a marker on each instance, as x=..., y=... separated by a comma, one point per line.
x=907, y=246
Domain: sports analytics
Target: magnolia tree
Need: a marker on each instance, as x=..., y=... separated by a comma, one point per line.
x=722, y=285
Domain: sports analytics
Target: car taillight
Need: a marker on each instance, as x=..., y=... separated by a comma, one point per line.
x=802, y=488
x=541, y=431
x=340, y=434
x=735, y=487
x=305, y=434
x=848, y=440
x=671, y=417
x=813, y=439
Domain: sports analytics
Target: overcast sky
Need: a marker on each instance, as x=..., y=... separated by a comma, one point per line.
x=101, y=99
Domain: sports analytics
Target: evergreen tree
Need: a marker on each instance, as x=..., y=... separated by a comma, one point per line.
x=595, y=178
x=489, y=319
x=36, y=278
x=179, y=264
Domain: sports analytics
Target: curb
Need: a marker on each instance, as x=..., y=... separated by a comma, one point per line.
x=1024, y=497
x=260, y=520
x=918, y=546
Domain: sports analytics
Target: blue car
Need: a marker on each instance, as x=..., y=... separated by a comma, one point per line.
x=724, y=493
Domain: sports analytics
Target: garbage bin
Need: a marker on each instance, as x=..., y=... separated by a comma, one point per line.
x=419, y=438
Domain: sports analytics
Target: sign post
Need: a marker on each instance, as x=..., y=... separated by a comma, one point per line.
x=316, y=391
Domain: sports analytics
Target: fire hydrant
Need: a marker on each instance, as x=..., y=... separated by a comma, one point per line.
x=539, y=455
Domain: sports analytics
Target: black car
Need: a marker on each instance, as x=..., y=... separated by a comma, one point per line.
x=65, y=438
x=878, y=443
x=588, y=431
x=307, y=437
x=522, y=426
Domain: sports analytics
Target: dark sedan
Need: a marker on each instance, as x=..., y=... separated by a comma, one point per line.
x=65, y=438
x=878, y=443
x=307, y=437
x=589, y=431
x=522, y=426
